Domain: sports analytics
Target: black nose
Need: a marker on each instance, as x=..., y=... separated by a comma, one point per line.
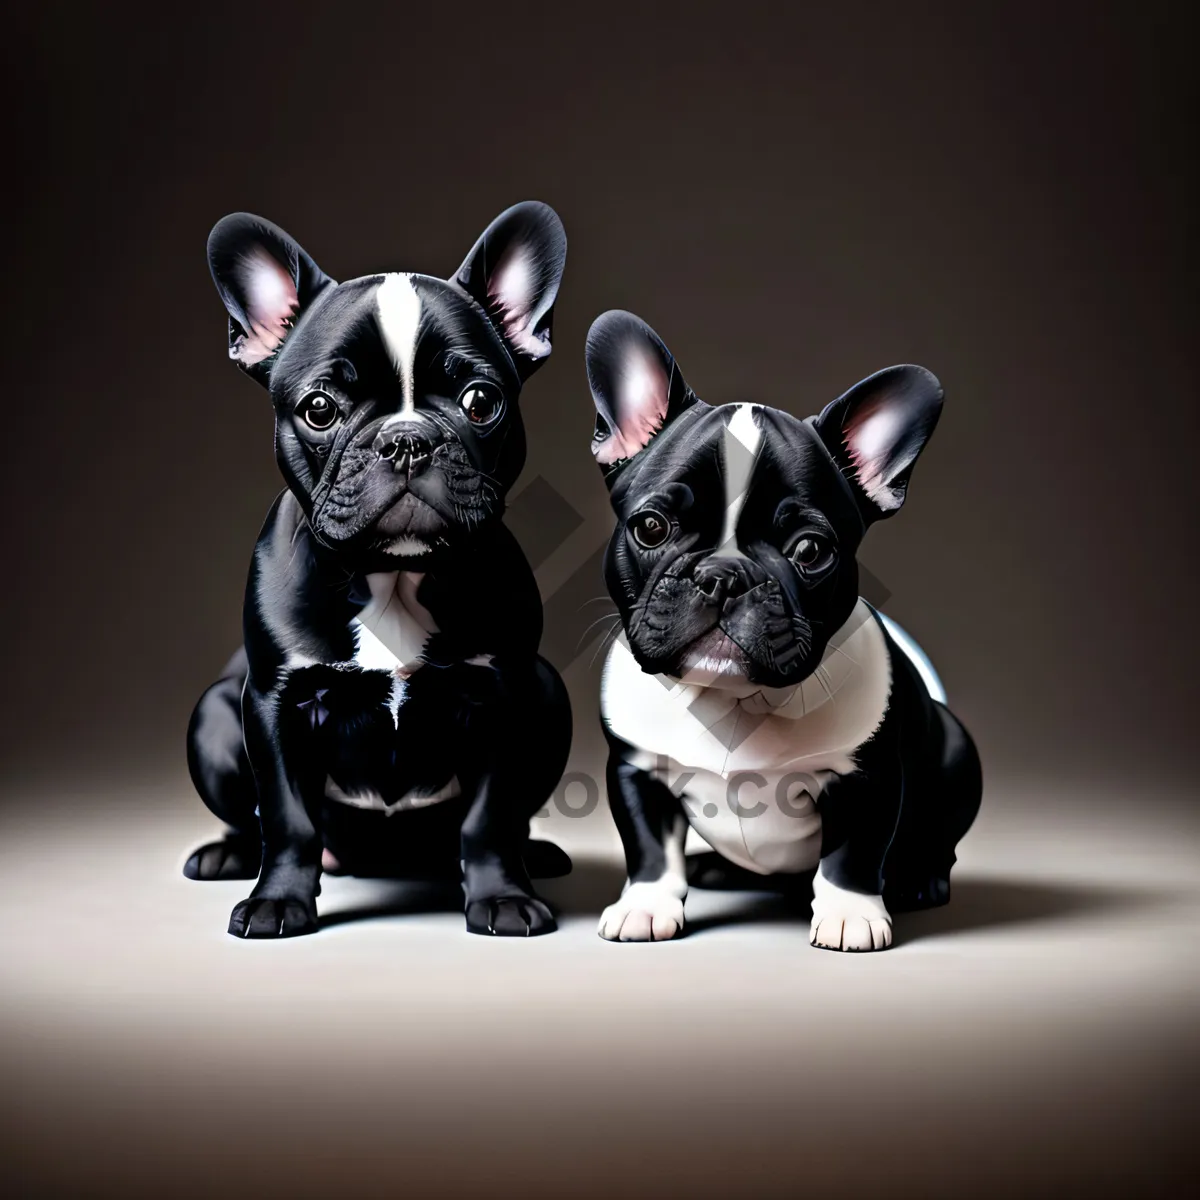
x=720, y=579
x=406, y=449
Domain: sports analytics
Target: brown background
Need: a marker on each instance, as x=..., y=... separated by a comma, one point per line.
x=995, y=191
x=793, y=198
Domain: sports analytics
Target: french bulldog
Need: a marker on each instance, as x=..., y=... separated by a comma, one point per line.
x=389, y=713
x=753, y=695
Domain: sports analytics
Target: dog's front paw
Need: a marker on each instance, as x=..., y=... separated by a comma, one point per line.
x=845, y=920
x=263, y=918
x=510, y=916
x=646, y=912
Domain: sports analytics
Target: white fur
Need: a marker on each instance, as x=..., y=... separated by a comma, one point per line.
x=741, y=815
x=652, y=910
x=410, y=547
x=800, y=738
x=373, y=800
x=741, y=430
x=844, y=920
x=390, y=634
x=398, y=313
x=392, y=630
x=370, y=653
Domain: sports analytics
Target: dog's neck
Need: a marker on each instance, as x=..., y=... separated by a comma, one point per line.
x=839, y=666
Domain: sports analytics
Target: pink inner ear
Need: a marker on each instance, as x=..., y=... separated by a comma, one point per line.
x=871, y=436
x=512, y=290
x=271, y=302
x=641, y=390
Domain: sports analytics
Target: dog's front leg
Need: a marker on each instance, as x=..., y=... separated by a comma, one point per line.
x=517, y=744
x=283, y=902
x=499, y=894
x=653, y=829
x=859, y=813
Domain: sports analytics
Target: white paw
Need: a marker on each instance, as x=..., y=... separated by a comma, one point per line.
x=646, y=912
x=844, y=920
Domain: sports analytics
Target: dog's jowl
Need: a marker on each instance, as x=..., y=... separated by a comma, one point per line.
x=389, y=713
x=753, y=694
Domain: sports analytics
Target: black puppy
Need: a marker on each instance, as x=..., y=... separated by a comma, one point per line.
x=754, y=694
x=389, y=713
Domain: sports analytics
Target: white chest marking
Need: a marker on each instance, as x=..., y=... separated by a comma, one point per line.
x=391, y=631
x=390, y=634
x=752, y=760
x=398, y=313
x=765, y=821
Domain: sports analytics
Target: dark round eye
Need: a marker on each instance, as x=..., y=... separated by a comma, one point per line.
x=810, y=553
x=650, y=529
x=318, y=411
x=482, y=402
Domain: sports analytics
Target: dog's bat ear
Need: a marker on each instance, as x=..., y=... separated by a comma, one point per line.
x=513, y=272
x=265, y=280
x=876, y=431
x=636, y=386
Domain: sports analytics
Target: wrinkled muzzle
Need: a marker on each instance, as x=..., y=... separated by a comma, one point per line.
x=404, y=478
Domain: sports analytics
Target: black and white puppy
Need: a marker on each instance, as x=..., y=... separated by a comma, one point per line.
x=389, y=713
x=753, y=694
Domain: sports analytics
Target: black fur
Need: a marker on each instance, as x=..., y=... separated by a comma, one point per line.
x=394, y=469
x=892, y=824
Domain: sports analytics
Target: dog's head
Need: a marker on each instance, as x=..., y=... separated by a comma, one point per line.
x=734, y=553
x=396, y=418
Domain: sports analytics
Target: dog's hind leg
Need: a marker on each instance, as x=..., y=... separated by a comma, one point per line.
x=944, y=803
x=219, y=769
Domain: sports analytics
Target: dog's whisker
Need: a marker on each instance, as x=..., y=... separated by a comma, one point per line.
x=605, y=642
x=608, y=617
x=839, y=650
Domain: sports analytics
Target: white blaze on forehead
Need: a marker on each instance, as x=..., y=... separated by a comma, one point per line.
x=739, y=449
x=399, y=317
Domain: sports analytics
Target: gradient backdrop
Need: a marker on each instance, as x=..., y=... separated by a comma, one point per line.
x=792, y=198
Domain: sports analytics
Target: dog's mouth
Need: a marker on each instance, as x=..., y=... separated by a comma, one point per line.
x=408, y=527
x=411, y=518
x=712, y=657
x=753, y=637
x=371, y=505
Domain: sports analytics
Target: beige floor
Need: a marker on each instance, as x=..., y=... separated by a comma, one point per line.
x=1040, y=1034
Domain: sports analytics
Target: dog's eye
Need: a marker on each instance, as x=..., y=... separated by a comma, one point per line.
x=482, y=402
x=318, y=411
x=650, y=529
x=811, y=553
